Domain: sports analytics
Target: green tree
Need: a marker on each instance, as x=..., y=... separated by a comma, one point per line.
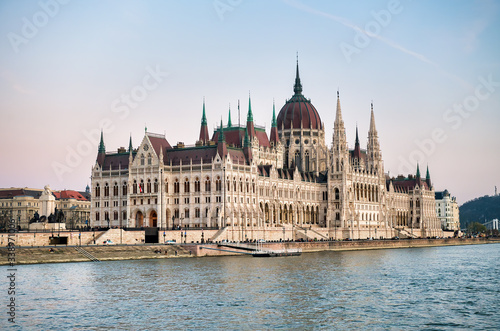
x=476, y=228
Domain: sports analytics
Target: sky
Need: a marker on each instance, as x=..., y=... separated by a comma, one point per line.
x=69, y=69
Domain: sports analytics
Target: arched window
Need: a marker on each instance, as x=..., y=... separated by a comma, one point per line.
x=166, y=186
x=207, y=185
x=253, y=186
x=134, y=187
x=307, y=161
x=115, y=189
x=106, y=190
x=115, y=215
x=176, y=186
x=97, y=216
x=97, y=190
x=106, y=216
x=156, y=185
x=124, y=189
x=297, y=159
x=149, y=159
x=186, y=185
x=337, y=194
x=148, y=187
x=248, y=186
x=141, y=186
x=218, y=184
x=197, y=212
x=234, y=184
x=176, y=213
x=186, y=213
x=241, y=185
x=206, y=212
x=142, y=159
x=197, y=184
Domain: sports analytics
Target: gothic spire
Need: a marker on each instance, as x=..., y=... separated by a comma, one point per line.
x=130, y=148
x=250, y=115
x=273, y=122
x=418, y=172
x=203, y=117
x=102, y=149
x=357, y=137
x=229, y=123
x=428, y=176
x=246, y=142
x=373, y=130
x=221, y=132
x=204, y=127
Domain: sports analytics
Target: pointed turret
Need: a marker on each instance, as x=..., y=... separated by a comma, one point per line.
x=102, y=148
x=357, y=148
x=130, y=147
x=221, y=143
x=250, y=125
x=101, y=153
x=204, y=128
x=229, y=123
x=274, y=128
x=374, y=155
x=428, y=178
x=340, y=152
x=418, y=172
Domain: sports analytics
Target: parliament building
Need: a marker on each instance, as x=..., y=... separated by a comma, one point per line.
x=247, y=180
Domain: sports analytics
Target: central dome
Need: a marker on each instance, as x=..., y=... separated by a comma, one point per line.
x=298, y=112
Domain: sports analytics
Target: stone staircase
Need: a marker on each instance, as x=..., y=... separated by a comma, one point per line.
x=320, y=235
x=218, y=236
x=87, y=254
x=404, y=233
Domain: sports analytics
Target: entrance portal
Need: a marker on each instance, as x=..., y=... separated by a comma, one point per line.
x=139, y=220
x=153, y=219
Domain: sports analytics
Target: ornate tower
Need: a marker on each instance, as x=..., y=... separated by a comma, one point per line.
x=204, y=128
x=374, y=155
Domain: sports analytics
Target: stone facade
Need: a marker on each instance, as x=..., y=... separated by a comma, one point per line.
x=244, y=181
x=447, y=211
x=21, y=204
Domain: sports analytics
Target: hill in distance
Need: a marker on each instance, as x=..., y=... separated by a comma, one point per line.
x=480, y=210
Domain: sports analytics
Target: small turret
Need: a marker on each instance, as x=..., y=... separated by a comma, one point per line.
x=274, y=128
x=204, y=128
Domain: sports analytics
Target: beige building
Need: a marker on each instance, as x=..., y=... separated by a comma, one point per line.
x=247, y=181
x=447, y=211
x=21, y=204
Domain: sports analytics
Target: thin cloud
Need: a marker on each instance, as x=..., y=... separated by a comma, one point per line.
x=345, y=22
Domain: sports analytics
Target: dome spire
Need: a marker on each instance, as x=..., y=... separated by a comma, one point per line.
x=297, y=88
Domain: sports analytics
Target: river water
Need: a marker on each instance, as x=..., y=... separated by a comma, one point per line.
x=439, y=288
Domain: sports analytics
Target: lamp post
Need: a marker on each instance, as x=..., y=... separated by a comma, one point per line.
x=164, y=237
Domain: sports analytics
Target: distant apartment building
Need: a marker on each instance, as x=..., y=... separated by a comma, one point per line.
x=447, y=211
x=21, y=204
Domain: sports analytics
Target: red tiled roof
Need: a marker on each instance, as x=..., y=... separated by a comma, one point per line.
x=69, y=194
x=235, y=136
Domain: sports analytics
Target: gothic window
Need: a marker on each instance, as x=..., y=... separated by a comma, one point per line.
x=207, y=184
x=206, y=212
x=176, y=213
x=115, y=216
x=97, y=216
x=156, y=186
x=307, y=161
x=115, y=189
x=97, y=190
x=186, y=213
x=186, y=185
x=253, y=186
x=218, y=184
x=142, y=159
x=106, y=190
x=148, y=186
x=234, y=184
x=106, y=216
x=241, y=185
x=197, y=212
x=197, y=184
x=124, y=215
x=149, y=159
x=166, y=186
x=248, y=186
x=337, y=194
x=141, y=186
x=176, y=186
x=124, y=189
x=297, y=159
x=134, y=187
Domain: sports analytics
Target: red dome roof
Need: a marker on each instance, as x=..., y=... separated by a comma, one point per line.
x=299, y=112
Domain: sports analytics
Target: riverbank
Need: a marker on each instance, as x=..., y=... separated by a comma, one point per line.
x=60, y=254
